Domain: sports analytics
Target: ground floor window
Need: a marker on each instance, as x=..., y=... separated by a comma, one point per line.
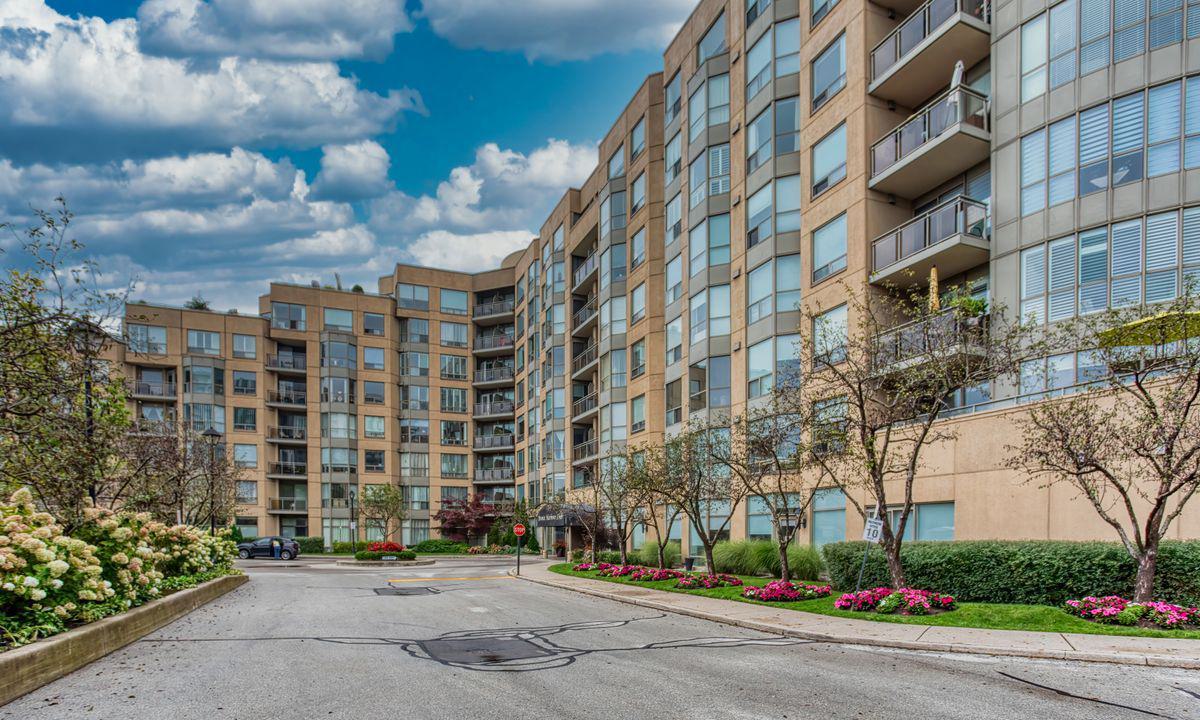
x=927, y=521
x=638, y=538
x=415, y=531
x=375, y=531
x=335, y=530
x=248, y=527
x=829, y=516
x=293, y=527
x=714, y=513
x=758, y=516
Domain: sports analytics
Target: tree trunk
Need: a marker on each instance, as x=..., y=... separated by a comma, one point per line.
x=624, y=554
x=785, y=572
x=709, y=565
x=895, y=567
x=1143, y=589
x=662, y=556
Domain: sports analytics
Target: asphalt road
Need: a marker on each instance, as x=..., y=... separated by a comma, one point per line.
x=459, y=640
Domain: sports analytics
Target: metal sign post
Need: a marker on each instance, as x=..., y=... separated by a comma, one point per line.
x=519, y=531
x=872, y=531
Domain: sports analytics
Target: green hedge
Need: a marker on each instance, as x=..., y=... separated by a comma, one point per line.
x=1026, y=572
x=347, y=547
x=377, y=555
x=310, y=545
x=440, y=546
x=761, y=557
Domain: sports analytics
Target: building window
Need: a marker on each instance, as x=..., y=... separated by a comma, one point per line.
x=758, y=66
x=374, y=426
x=637, y=303
x=453, y=367
x=674, y=159
x=454, y=432
x=453, y=466
x=414, y=464
x=829, y=335
x=637, y=414
x=754, y=10
x=453, y=302
x=638, y=195
x=637, y=248
x=787, y=204
x=455, y=494
x=247, y=527
x=415, y=364
x=147, y=339
x=698, y=317
x=713, y=42
x=674, y=279
x=637, y=140
x=828, y=72
x=787, y=283
x=414, y=330
x=412, y=297
x=708, y=106
x=674, y=402
x=787, y=360
x=338, y=319
x=637, y=358
x=787, y=47
x=245, y=456
x=413, y=430
x=414, y=397
x=673, y=99
x=373, y=393
x=616, y=163
x=372, y=324
x=718, y=310
x=244, y=347
x=758, y=216
x=758, y=141
x=203, y=342
x=674, y=218
x=339, y=354
x=340, y=426
x=716, y=513
x=718, y=170
x=454, y=400
x=245, y=419
x=373, y=358
x=787, y=126
x=674, y=340
x=287, y=316
x=373, y=460
x=245, y=382
x=454, y=334
x=203, y=380
x=927, y=522
x=820, y=9
x=829, y=160
x=829, y=248
x=760, y=364
x=829, y=516
x=758, y=292
x=202, y=416
x=1033, y=58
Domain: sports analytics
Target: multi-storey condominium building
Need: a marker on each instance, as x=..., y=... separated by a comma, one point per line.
x=1043, y=155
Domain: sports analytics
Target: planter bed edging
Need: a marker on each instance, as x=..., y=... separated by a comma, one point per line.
x=27, y=668
x=384, y=563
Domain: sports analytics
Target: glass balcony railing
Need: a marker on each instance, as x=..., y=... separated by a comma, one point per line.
x=493, y=374
x=957, y=105
x=584, y=404
x=501, y=407
x=584, y=358
x=924, y=22
x=288, y=504
x=492, y=442
x=493, y=342
x=586, y=449
x=287, y=468
x=957, y=216
x=586, y=268
x=287, y=362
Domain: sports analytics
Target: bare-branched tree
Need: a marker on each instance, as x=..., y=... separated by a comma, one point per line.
x=384, y=505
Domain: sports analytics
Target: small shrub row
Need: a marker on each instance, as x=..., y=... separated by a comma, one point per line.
x=905, y=601
x=761, y=557
x=311, y=545
x=1116, y=610
x=1023, y=572
x=641, y=573
x=707, y=582
x=440, y=545
x=381, y=554
x=346, y=547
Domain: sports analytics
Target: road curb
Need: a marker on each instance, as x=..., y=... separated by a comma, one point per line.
x=27, y=668
x=1077, y=656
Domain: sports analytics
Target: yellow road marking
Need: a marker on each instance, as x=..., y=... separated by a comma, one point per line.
x=435, y=579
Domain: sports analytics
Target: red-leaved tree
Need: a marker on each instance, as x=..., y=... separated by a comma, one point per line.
x=461, y=520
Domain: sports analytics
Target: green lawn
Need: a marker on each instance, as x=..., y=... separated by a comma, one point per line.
x=1040, y=618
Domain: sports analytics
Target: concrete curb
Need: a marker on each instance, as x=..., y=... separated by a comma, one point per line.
x=384, y=563
x=1112, y=658
x=27, y=668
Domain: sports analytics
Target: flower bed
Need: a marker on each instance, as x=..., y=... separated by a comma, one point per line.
x=50, y=581
x=905, y=601
x=489, y=550
x=784, y=591
x=707, y=582
x=1116, y=610
x=646, y=574
x=385, y=547
x=375, y=555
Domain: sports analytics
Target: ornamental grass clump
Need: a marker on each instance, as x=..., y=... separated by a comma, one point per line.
x=784, y=591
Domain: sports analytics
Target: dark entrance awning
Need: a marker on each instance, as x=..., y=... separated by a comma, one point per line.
x=563, y=515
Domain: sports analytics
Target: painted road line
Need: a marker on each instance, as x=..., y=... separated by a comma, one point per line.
x=427, y=579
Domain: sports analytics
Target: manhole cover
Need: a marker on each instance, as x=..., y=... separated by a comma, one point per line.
x=405, y=591
x=483, y=650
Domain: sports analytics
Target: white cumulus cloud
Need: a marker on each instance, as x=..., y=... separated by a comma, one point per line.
x=466, y=253
x=352, y=172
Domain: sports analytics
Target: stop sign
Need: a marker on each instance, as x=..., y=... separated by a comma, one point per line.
x=518, y=529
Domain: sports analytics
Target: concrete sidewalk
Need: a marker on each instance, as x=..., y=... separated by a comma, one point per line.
x=1162, y=652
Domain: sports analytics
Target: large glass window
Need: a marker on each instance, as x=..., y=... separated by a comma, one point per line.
x=758, y=215
x=787, y=47
x=287, y=316
x=453, y=302
x=454, y=334
x=674, y=218
x=713, y=42
x=674, y=279
x=829, y=517
x=673, y=99
x=698, y=316
x=758, y=66
x=413, y=297
x=674, y=340
x=787, y=125
x=244, y=346
x=829, y=248
x=829, y=335
x=828, y=72
x=204, y=342
x=637, y=303
x=718, y=169
x=787, y=204
x=147, y=339
x=637, y=139
x=758, y=292
x=718, y=310
x=787, y=283
x=339, y=319
x=758, y=141
x=674, y=159
x=829, y=160
x=760, y=366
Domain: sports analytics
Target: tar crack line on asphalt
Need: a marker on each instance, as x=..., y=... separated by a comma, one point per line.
x=514, y=649
x=1066, y=693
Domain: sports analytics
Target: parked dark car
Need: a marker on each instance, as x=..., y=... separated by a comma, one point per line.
x=261, y=547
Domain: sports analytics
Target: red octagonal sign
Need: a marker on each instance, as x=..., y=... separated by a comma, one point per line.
x=518, y=529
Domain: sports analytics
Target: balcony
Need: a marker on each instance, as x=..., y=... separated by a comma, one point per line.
x=586, y=269
x=499, y=344
x=494, y=443
x=287, y=470
x=944, y=337
x=952, y=236
x=286, y=506
x=584, y=360
x=153, y=428
x=499, y=408
x=140, y=390
x=949, y=136
x=494, y=475
x=287, y=435
x=585, y=451
x=287, y=398
x=287, y=364
x=584, y=407
x=918, y=57
x=494, y=312
x=584, y=318
x=486, y=377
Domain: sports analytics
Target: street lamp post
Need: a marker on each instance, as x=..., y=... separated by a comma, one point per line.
x=353, y=525
x=211, y=438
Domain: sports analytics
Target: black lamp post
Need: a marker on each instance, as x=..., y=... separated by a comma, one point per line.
x=211, y=438
x=353, y=525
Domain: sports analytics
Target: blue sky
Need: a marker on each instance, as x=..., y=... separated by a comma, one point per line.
x=210, y=146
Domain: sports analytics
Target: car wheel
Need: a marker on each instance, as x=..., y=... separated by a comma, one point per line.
x=244, y=554
x=285, y=555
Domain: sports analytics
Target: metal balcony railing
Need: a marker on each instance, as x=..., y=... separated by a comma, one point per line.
x=494, y=374
x=291, y=397
x=585, y=313
x=585, y=268
x=288, y=504
x=586, y=449
x=584, y=404
x=493, y=474
x=152, y=389
x=485, y=442
x=496, y=307
x=292, y=362
x=944, y=331
x=900, y=43
x=499, y=407
x=493, y=342
x=287, y=432
x=287, y=468
x=584, y=358
x=957, y=216
x=957, y=105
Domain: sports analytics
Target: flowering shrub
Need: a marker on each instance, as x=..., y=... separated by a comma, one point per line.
x=384, y=547
x=115, y=561
x=905, y=601
x=1116, y=610
x=616, y=570
x=645, y=574
x=784, y=591
x=707, y=582
x=584, y=567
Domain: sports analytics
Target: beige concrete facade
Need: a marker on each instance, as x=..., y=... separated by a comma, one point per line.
x=785, y=151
